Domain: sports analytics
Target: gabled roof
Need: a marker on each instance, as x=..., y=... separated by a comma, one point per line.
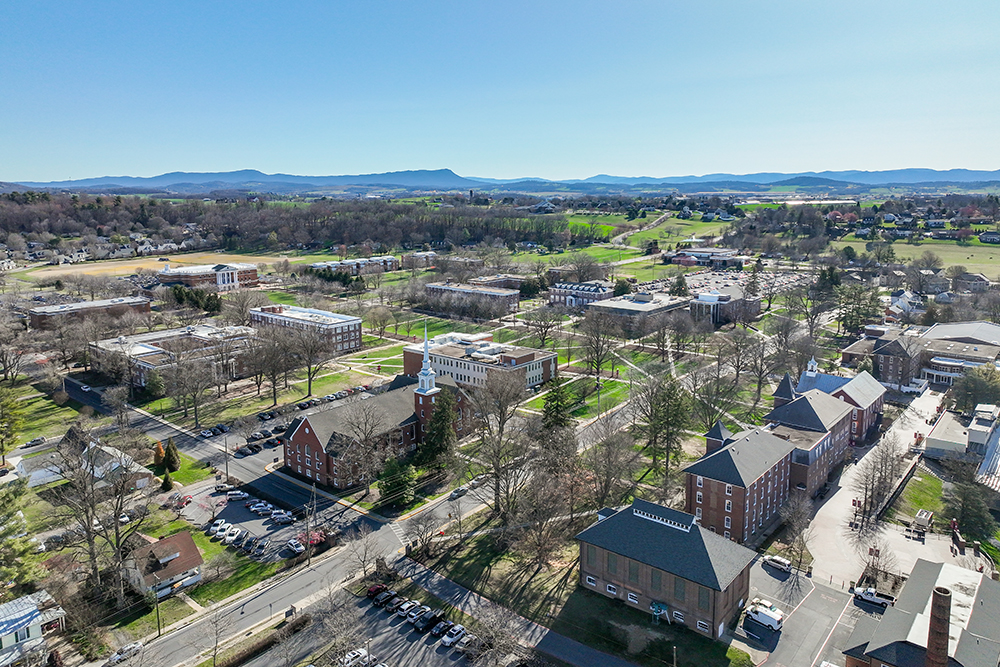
x=863, y=389
x=822, y=381
x=813, y=411
x=746, y=457
x=18, y=614
x=147, y=558
x=670, y=541
x=785, y=389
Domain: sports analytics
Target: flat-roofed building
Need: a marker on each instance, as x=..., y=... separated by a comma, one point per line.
x=508, y=298
x=222, y=348
x=579, y=295
x=504, y=280
x=220, y=277
x=342, y=330
x=419, y=260
x=959, y=436
x=725, y=304
x=46, y=317
x=359, y=266
x=634, y=311
x=469, y=359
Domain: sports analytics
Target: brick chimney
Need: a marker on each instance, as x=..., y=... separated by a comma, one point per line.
x=937, y=630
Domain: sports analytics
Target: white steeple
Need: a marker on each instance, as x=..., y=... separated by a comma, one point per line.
x=427, y=374
x=812, y=367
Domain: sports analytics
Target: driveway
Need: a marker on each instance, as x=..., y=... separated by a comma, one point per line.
x=834, y=544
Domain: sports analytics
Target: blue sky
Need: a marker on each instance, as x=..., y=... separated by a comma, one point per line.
x=511, y=89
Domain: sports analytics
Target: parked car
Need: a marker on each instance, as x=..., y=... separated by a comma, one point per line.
x=185, y=501
x=375, y=590
x=872, y=595
x=303, y=405
x=206, y=433
x=777, y=562
x=35, y=441
x=295, y=546
x=244, y=451
x=477, y=481
x=416, y=612
x=261, y=547
x=394, y=604
x=383, y=598
x=329, y=397
x=84, y=387
x=257, y=435
x=282, y=518
x=222, y=427
x=255, y=447
x=266, y=433
x=442, y=627
x=427, y=620
x=238, y=540
x=356, y=658
x=249, y=543
x=216, y=525
x=272, y=442
x=453, y=635
x=765, y=613
x=231, y=535
x=237, y=495
x=216, y=431
x=125, y=653
x=224, y=487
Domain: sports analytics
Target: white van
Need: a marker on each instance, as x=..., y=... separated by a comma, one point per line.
x=778, y=563
x=766, y=614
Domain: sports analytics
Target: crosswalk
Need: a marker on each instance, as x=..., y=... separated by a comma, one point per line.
x=400, y=533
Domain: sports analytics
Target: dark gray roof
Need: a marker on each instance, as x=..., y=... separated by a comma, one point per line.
x=670, y=541
x=900, y=638
x=785, y=389
x=813, y=411
x=746, y=457
x=718, y=432
x=863, y=388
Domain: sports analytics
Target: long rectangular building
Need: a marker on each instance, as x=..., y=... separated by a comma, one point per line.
x=359, y=266
x=342, y=330
x=220, y=277
x=509, y=297
x=469, y=359
x=46, y=317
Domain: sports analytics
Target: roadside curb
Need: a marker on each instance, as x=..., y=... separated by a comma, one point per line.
x=272, y=469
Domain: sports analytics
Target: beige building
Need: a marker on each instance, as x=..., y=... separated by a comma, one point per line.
x=469, y=359
x=342, y=330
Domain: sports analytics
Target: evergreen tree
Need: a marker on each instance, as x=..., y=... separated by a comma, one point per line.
x=680, y=287
x=158, y=453
x=15, y=566
x=11, y=421
x=398, y=483
x=439, y=438
x=555, y=413
x=172, y=458
x=168, y=483
x=155, y=386
x=753, y=285
x=622, y=287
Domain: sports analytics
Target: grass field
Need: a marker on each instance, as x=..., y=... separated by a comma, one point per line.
x=976, y=257
x=191, y=470
x=42, y=416
x=673, y=230
x=124, y=267
x=601, y=253
x=923, y=491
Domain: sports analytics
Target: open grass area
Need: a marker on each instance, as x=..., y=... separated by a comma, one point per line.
x=552, y=597
x=38, y=507
x=601, y=253
x=923, y=491
x=44, y=417
x=282, y=297
x=191, y=470
x=612, y=393
x=672, y=230
x=975, y=257
x=144, y=623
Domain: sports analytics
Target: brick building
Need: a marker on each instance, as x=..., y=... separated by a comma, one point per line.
x=419, y=260
x=577, y=295
x=508, y=298
x=323, y=447
x=342, y=330
x=469, y=359
x=737, y=488
x=656, y=559
x=359, y=266
x=219, y=277
x=47, y=317
x=863, y=392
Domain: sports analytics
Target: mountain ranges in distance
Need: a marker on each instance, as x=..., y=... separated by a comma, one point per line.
x=828, y=182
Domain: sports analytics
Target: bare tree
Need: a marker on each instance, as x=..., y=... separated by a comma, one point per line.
x=539, y=534
x=600, y=331
x=543, y=323
x=116, y=400
x=312, y=350
x=236, y=306
x=612, y=462
x=712, y=393
x=810, y=304
x=220, y=626
x=421, y=530
x=761, y=364
x=363, y=547
x=379, y=319
x=503, y=449
x=369, y=446
x=341, y=621
x=797, y=514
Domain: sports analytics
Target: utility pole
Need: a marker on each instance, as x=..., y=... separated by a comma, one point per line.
x=226, y=445
x=156, y=603
x=309, y=513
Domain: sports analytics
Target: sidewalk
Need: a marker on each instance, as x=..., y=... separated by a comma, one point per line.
x=528, y=633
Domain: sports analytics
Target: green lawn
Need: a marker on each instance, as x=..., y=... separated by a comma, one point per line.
x=601, y=253
x=613, y=392
x=282, y=297
x=171, y=611
x=38, y=509
x=43, y=417
x=191, y=470
x=923, y=491
x=976, y=257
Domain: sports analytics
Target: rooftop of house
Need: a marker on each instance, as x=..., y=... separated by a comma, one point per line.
x=743, y=458
x=671, y=541
x=88, y=305
x=167, y=558
x=312, y=315
x=900, y=637
x=39, y=607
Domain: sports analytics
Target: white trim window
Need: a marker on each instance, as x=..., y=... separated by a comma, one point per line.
x=700, y=481
x=613, y=590
x=633, y=598
x=591, y=581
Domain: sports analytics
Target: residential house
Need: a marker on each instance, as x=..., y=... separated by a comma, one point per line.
x=324, y=447
x=165, y=566
x=24, y=622
x=469, y=359
x=863, y=392
x=971, y=282
x=989, y=237
x=656, y=559
x=945, y=616
x=738, y=486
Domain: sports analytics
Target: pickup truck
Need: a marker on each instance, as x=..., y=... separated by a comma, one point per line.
x=873, y=596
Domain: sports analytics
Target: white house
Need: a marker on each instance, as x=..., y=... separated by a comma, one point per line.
x=164, y=567
x=23, y=624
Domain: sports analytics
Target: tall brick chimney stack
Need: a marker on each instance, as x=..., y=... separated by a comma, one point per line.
x=937, y=631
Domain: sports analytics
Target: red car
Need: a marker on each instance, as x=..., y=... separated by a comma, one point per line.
x=185, y=501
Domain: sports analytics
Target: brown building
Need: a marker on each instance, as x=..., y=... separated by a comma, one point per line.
x=47, y=317
x=578, y=295
x=509, y=298
x=503, y=280
x=469, y=358
x=656, y=559
x=863, y=392
x=324, y=447
x=945, y=616
x=736, y=489
x=219, y=277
